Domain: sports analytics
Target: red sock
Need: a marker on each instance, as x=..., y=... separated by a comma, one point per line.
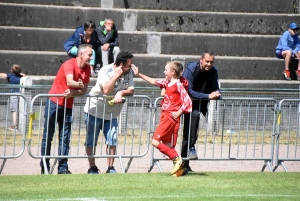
x=170, y=152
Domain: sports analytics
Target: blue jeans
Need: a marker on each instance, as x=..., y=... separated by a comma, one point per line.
x=64, y=126
x=109, y=128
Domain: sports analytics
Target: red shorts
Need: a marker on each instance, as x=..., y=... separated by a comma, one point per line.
x=166, y=127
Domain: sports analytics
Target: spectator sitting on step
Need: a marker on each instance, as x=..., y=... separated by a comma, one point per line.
x=108, y=37
x=14, y=78
x=84, y=34
x=289, y=48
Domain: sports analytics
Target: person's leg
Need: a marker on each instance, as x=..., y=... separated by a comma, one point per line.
x=49, y=129
x=287, y=54
x=93, y=126
x=115, y=52
x=186, y=131
x=64, y=124
x=104, y=56
x=14, y=109
x=73, y=51
x=110, y=134
x=92, y=62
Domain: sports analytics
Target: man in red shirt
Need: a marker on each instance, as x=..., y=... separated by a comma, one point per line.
x=71, y=80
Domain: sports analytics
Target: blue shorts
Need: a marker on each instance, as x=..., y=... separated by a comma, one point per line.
x=110, y=130
x=279, y=55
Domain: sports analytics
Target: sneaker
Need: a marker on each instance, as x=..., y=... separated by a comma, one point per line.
x=43, y=170
x=177, y=164
x=181, y=172
x=111, y=170
x=64, y=172
x=12, y=128
x=93, y=170
x=298, y=74
x=93, y=74
x=192, y=153
x=287, y=75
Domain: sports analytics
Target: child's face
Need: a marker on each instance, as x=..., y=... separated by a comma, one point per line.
x=168, y=72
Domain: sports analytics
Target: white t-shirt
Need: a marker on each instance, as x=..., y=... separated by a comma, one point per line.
x=111, y=111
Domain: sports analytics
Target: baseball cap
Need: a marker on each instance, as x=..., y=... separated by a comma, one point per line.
x=293, y=25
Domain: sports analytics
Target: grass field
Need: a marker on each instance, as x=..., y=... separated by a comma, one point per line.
x=153, y=186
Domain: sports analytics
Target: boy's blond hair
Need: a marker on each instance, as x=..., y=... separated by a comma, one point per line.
x=176, y=66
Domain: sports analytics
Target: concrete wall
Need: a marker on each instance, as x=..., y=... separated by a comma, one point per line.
x=243, y=34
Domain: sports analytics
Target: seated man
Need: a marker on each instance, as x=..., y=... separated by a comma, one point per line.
x=109, y=42
x=289, y=48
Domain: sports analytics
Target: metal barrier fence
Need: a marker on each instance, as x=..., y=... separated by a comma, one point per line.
x=12, y=140
x=287, y=132
x=132, y=142
x=232, y=129
x=235, y=128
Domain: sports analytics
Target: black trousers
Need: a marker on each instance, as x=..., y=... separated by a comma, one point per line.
x=191, y=124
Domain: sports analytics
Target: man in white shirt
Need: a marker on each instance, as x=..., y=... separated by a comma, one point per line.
x=115, y=81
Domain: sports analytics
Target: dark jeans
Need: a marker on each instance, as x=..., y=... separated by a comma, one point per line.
x=192, y=128
x=53, y=111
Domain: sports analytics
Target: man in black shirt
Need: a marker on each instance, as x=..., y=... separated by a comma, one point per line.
x=203, y=86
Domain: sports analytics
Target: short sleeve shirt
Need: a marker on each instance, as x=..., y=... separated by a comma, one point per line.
x=96, y=105
x=14, y=79
x=60, y=82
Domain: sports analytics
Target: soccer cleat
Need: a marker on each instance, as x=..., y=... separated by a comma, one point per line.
x=93, y=170
x=177, y=164
x=181, y=172
x=193, y=153
x=287, y=75
x=298, y=74
x=111, y=170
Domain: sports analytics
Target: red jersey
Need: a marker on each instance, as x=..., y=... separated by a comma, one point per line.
x=176, y=96
x=60, y=82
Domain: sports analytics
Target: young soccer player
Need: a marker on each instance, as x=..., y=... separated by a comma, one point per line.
x=176, y=101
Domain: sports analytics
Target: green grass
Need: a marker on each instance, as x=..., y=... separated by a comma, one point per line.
x=153, y=186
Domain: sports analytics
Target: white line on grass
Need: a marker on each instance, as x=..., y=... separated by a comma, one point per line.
x=167, y=196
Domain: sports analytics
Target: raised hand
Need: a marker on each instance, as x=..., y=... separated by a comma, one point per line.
x=135, y=69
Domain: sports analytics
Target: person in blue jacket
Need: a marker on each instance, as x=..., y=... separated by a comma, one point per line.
x=84, y=34
x=108, y=37
x=14, y=78
x=203, y=86
x=289, y=48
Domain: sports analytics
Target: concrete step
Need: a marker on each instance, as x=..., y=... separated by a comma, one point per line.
x=142, y=42
x=254, y=68
x=261, y=6
x=145, y=20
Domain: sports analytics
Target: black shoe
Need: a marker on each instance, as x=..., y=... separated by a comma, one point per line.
x=64, y=172
x=188, y=168
x=93, y=170
x=111, y=170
